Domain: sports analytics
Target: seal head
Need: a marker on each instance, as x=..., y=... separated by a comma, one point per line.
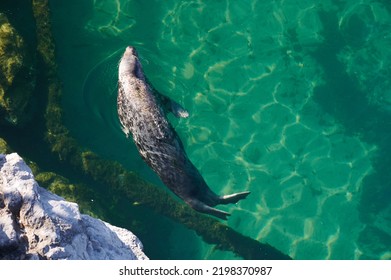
x=130, y=64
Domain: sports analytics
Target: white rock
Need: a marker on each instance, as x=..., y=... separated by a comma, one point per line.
x=36, y=224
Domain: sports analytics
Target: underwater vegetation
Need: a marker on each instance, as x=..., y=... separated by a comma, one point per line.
x=17, y=75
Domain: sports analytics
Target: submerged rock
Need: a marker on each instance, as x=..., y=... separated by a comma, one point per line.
x=17, y=76
x=36, y=224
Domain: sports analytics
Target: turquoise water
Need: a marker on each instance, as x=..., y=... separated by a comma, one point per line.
x=290, y=100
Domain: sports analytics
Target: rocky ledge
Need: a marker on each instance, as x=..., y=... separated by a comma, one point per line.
x=36, y=224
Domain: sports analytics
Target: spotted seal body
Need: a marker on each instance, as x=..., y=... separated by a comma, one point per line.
x=142, y=113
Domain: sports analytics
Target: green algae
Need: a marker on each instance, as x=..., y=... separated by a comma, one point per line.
x=10, y=45
x=17, y=76
x=4, y=148
x=112, y=174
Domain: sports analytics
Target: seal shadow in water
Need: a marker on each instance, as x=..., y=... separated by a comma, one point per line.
x=142, y=114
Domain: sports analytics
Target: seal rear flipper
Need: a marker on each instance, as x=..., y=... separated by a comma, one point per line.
x=233, y=198
x=202, y=207
x=215, y=212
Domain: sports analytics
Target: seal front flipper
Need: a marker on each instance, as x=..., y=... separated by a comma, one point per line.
x=178, y=110
x=171, y=106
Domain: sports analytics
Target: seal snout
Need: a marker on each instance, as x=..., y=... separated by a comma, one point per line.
x=130, y=51
x=129, y=63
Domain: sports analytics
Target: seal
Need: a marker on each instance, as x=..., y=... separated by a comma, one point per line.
x=142, y=113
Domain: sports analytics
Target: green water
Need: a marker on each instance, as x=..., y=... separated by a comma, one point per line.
x=288, y=99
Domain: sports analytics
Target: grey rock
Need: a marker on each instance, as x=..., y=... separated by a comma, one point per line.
x=37, y=224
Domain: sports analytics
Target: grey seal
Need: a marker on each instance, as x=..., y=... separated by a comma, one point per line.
x=142, y=113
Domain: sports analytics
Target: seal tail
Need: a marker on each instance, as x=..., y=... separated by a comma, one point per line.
x=215, y=212
x=233, y=198
x=202, y=207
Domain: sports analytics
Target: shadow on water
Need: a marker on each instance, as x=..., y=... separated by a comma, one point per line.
x=341, y=98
